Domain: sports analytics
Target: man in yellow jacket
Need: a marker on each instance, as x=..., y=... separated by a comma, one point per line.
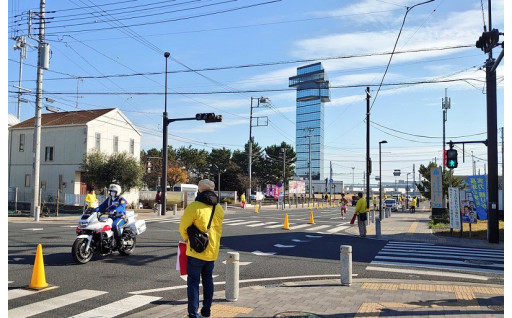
x=361, y=214
x=200, y=265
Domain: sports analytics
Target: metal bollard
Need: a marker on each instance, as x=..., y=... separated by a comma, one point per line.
x=174, y=209
x=346, y=265
x=225, y=208
x=232, y=273
x=159, y=209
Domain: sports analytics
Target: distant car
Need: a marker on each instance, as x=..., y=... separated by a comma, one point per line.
x=253, y=196
x=391, y=203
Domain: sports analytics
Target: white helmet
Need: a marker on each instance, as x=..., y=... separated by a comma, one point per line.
x=116, y=188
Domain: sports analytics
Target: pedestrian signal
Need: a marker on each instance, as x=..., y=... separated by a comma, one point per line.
x=451, y=158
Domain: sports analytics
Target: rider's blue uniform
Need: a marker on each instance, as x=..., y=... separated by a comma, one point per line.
x=117, y=209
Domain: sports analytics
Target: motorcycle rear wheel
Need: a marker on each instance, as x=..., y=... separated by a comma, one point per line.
x=78, y=251
x=128, y=249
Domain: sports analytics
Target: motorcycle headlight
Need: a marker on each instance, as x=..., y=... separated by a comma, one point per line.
x=82, y=224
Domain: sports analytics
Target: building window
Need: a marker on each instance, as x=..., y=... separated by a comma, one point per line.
x=132, y=146
x=27, y=181
x=48, y=154
x=22, y=143
x=116, y=144
x=98, y=141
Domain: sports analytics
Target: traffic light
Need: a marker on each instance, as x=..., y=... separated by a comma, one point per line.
x=209, y=117
x=451, y=158
x=488, y=40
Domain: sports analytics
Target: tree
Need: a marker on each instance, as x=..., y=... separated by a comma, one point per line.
x=425, y=186
x=194, y=161
x=273, y=164
x=100, y=170
x=176, y=175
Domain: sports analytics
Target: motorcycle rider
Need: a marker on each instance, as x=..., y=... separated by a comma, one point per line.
x=115, y=204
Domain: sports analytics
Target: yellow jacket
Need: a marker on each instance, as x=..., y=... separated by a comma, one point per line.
x=199, y=214
x=361, y=206
x=90, y=198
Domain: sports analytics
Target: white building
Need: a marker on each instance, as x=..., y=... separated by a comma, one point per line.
x=65, y=138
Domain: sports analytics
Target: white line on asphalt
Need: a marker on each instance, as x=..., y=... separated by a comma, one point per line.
x=147, y=291
x=284, y=246
x=243, y=222
x=470, y=269
x=337, y=229
x=275, y=226
x=420, y=272
x=53, y=303
x=316, y=228
x=300, y=226
x=119, y=307
x=426, y=260
x=261, y=224
x=33, y=229
x=21, y=292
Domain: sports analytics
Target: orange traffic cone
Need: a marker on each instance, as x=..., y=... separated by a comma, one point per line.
x=286, y=224
x=311, y=219
x=38, y=277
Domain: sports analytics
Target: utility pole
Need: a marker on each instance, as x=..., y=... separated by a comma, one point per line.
x=283, y=150
x=21, y=44
x=368, y=160
x=42, y=63
x=446, y=104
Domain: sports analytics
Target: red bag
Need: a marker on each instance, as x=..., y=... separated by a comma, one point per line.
x=181, y=258
x=353, y=219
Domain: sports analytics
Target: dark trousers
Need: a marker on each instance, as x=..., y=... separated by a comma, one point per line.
x=198, y=269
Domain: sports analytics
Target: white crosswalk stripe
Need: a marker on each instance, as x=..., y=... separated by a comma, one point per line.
x=53, y=303
x=427, y=255
x=302, y=224
x=115, y=309
x=119, y=307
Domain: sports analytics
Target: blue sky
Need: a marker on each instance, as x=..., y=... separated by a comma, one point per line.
x=110, y=54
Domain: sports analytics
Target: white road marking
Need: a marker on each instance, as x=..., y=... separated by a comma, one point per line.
x=420, y=272
x=119, y=307
x=283, y=246
x=34, y=229
x=300, y=226
x=316, y=228
x=21, y=292
x=53, y=303
x=261, y=224
x=337, y=229
x=263, y=253
x=241, y=281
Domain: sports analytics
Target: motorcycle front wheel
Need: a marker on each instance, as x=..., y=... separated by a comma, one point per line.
x=128, y=245
x=78, y=251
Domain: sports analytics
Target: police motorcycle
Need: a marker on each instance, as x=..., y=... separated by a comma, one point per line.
x=95, y=235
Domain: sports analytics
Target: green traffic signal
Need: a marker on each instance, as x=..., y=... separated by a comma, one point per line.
x=451, y=158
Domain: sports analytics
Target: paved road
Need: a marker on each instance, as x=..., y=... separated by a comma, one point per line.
x=270, y=256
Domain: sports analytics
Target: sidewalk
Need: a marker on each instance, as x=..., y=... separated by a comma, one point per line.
x=365, y=297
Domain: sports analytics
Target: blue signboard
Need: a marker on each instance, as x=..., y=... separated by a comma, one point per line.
x=478, y=188
x=436, y=178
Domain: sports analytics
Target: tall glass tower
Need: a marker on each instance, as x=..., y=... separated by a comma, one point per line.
x=312, y=91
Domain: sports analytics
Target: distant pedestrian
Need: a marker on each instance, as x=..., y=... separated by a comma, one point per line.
x=413, y=205
x=361, y=214
x=374, y=204
x=344, y=203
x=90, y=199
x=242, y=200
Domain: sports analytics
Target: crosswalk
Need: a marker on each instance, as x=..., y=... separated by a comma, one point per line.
x=58, y=301
x=425, y=255
x=335, y=227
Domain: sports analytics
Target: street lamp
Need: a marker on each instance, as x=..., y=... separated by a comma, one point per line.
x=377, y=224
x=261, y=100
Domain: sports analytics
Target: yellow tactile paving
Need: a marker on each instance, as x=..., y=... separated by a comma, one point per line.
x=412, y=228
x=226, y=311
